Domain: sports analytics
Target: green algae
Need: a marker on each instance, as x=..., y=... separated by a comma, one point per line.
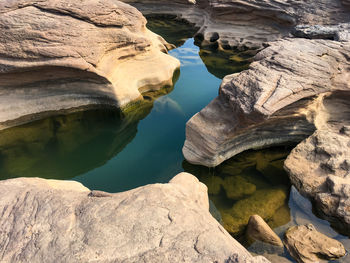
x=237, y=187
x=253, y=182
x=264, y=202
x=173, y=29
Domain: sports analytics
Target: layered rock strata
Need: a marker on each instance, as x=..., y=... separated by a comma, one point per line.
x=271, y=103
x=47, y=220
x=227, y=23
x=61, y=55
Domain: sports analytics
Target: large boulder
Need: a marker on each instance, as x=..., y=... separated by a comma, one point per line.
x=57, y=56
x=319, y=166
x=49, y=220
x=262, y=106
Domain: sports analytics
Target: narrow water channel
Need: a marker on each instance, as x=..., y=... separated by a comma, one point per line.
x=109, y=151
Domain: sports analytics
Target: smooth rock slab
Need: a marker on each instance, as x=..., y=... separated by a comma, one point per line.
x=51, y=221
x=307, y=245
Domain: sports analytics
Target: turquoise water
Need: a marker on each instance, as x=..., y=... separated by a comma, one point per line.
x=155, y=155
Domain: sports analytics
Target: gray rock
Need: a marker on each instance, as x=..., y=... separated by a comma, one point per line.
x=307, y=245
x=338, y=32
x=63, y=221
x=59, y=56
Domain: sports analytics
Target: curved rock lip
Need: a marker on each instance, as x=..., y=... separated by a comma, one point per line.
x=273, y=102
x=43, y=220
x=59, y=56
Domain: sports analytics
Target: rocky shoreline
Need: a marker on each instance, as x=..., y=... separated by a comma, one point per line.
x=295, y=92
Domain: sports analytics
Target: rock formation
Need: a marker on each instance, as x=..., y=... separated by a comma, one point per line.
x=61, y=55
x=319, y=166
x=307, y=245
x=266, y=104
x=228, y=23
x=257, y=229
x=47, y=220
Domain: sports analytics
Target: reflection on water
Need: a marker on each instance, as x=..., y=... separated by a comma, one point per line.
x=224, y=62
x=174, y=30
x=65, y=146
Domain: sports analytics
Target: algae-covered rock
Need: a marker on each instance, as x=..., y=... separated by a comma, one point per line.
x=280, y=217
x=237, y=187
x=264, y=202
x=213, y=183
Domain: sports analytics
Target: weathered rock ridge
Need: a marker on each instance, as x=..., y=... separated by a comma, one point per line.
x=271, y=103
x=50, y=221
x=62, y=55
x=227, y=23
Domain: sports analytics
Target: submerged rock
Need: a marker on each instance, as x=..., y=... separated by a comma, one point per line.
x=43, y=220
x=258, y=229
x=56, y=56
x=263, y=202
x=236, y=187
x=307, y=245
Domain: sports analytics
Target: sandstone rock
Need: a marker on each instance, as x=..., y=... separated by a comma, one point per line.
x=47, y=220
x=319, y=166
x=61, y=55
x=263, y=202
x=257, y=229
x=230, y=23
x=262, y=106
x=306, y=244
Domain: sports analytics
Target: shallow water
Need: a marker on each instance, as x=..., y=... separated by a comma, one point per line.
x=110, y=151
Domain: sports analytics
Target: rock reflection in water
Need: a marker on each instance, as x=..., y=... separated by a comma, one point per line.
x=62, y=147
x=173, y=29
x=253, y=182
x=224, y=62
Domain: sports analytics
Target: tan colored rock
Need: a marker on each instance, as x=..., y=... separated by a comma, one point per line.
x=265, y=105
x=50, y=220
x=258, y=229
x=319, y=166
x=67, y=55
x=306, y=245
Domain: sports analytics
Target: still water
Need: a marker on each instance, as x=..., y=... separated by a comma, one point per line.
x=110, y=151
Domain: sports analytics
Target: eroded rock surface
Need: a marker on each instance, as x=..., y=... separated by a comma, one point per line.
x=225, y=23
x=319, y=166
x=46, y=220
x=307, y=245
x=263, y=105
x=63, y=55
